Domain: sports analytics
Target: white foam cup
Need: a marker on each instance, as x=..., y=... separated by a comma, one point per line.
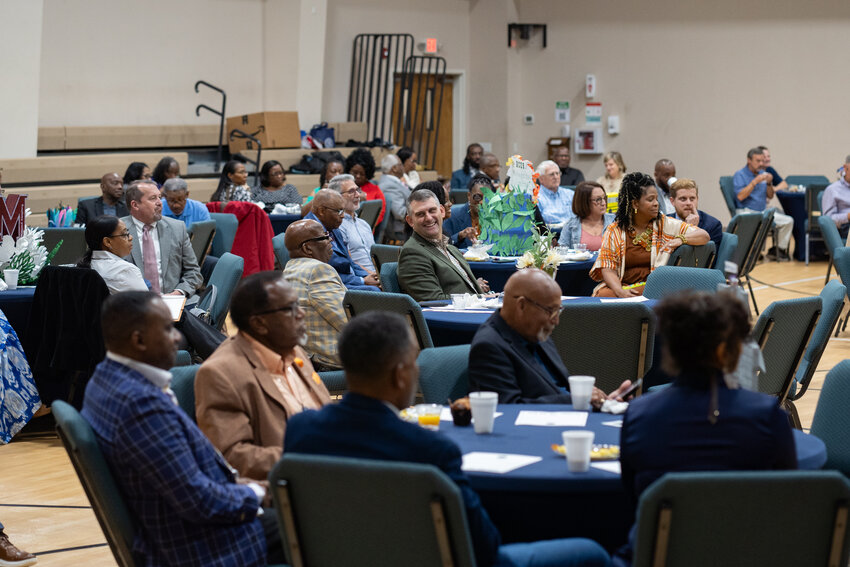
x=578, y=443
x=483, y=406
x=11, y=278
x=581, y=389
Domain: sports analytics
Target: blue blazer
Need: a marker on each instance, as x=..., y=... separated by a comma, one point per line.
x=500, y=360
x=709, y=224
x=459, y=220
x=365, y=428
x=180, y=489
x=349, y=272
x=460, y=180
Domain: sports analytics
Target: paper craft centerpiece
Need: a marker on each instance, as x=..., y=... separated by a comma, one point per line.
x=507, y=218
x=12, y=215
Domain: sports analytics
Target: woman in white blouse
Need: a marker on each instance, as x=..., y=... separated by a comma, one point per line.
x=109, y=242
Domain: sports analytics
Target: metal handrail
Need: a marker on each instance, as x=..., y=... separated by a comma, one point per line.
x=236, y=133
x=219, y=113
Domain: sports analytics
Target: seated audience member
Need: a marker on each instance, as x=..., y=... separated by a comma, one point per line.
x=109, y=242
x=590, y=219
x=379, y=353
x=273, y=188
x=111, y=202
x=167, y=168
x=408, y=162
x=665, y=175
x=836, y=200
x=392, y=186
x=462, y=176
x=190, y=506
x=491, y=167
x=684, y=194
x=328, y=210
x=699, y=423
x=259, y=378
x=513, y=354
x=640, y=240
x=233, y=183
x=753, y=189
x=463, y=227
x=319, y=289
x=615, y=169
x=361, y=164
x=570, y=176
x=779, y=184
x=11, y=555
x=161, y=246
x=331, y=169
x=356, y=232
x=428, y=266
x=137, y=171
x=555, y=202
x=442, y=194
x=177, y=205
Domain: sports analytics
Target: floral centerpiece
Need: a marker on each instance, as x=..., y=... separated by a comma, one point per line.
x=506, y=218
x=541, y=255
x=26, y=254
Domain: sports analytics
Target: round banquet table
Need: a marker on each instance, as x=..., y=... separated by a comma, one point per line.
x=16, y=305
x=573, y=277
x=281, y=222
x=543, y=500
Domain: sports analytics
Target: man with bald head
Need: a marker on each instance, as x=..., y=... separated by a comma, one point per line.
x=111, y=202
x=328, y=210
x=491, y=168
x=319, y=289
x=512, y=352
x=665, y=175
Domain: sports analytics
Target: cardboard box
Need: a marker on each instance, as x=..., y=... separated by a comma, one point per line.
x=273, y=129
x=344, y=131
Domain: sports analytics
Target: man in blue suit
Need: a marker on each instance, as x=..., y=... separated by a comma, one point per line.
x=189, y=505
x=462, y=176
x=328, y=210
x=684, y=195
x=378, y=352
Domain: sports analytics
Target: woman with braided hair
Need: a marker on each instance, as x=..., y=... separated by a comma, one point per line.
x=639, y=240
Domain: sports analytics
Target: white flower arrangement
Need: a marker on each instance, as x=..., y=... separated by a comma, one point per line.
x=27, y=254
x=542, y=255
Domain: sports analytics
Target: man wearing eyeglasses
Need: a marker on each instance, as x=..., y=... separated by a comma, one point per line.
x=513, y=354
x=328, y=210
x=258, y=378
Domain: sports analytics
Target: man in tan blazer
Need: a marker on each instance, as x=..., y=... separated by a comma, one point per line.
x=257, y=379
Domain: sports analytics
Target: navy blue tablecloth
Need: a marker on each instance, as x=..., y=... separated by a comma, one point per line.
x=573, y=277
x=543, y=500
x=794, y=205
x=281, y=222
x=16, y=305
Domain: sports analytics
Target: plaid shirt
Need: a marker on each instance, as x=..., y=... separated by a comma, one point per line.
x=180, y=489
x=612, y=254
x=320, y=292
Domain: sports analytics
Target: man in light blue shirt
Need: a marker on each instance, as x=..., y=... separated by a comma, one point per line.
x=356, y=232
x=753, y=188
x=555, y=202
x=176, y=203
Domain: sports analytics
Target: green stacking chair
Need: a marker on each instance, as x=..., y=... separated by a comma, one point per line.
x=694, y=256
x=281, y=254
x=728, y=190
x=832, y=239
x=225, y=276
x=728, y=246
x=384, y=253
x=226, y=225
x=201, y=234
x=334, y=381
x=356, y=302
x=370, y=211
x=742, y=518
x=381, y=228
x=389, y=277
x=383, y=513
x=667, y=280
x=832, y=420
x=183, y=386
x=444, y=373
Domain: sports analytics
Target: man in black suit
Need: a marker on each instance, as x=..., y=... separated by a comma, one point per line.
x=512, y=352
x=684, y=195
x=111, y=203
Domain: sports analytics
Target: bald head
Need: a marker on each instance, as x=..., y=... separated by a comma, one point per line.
x=328, y=206
x=307, y=239
x=112, y=187
x=664, y=170
x=490, y=166
x=532, y=304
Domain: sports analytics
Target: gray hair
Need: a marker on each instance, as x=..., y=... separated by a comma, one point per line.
x=174, y=185
x=546, y=164
x=755, y=152
x=133, y=192
x=389, y=162
x=335, y=184
x=422, y=195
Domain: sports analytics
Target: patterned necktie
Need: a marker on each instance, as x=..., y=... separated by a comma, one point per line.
x=149, y=257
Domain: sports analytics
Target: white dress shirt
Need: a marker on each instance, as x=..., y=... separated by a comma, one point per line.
x=118, y=274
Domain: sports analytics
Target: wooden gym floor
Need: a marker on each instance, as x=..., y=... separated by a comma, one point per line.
x=46, y=512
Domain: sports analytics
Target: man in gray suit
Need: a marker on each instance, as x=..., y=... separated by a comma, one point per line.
x=161, y=247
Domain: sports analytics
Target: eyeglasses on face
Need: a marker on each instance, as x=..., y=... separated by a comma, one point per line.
x=599, y=201
x=477, y=197
x=338, y=212
x=550, y=311
x=293, y=309
x=124, y=235
x=322, y=238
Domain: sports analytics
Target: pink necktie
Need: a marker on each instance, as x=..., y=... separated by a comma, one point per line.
x=149, y=256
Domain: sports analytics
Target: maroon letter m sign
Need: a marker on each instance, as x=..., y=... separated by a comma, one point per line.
x=12, y=215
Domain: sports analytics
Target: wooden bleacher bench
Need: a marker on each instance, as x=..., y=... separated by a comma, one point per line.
x=81, y=168
x=66, y=138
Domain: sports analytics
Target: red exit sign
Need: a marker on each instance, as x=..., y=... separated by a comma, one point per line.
x=431, y=45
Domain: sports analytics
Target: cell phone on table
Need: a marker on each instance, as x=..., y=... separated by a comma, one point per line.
x=632, y=389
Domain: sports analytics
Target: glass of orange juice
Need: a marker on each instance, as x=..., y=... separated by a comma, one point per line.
x=429, y=415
